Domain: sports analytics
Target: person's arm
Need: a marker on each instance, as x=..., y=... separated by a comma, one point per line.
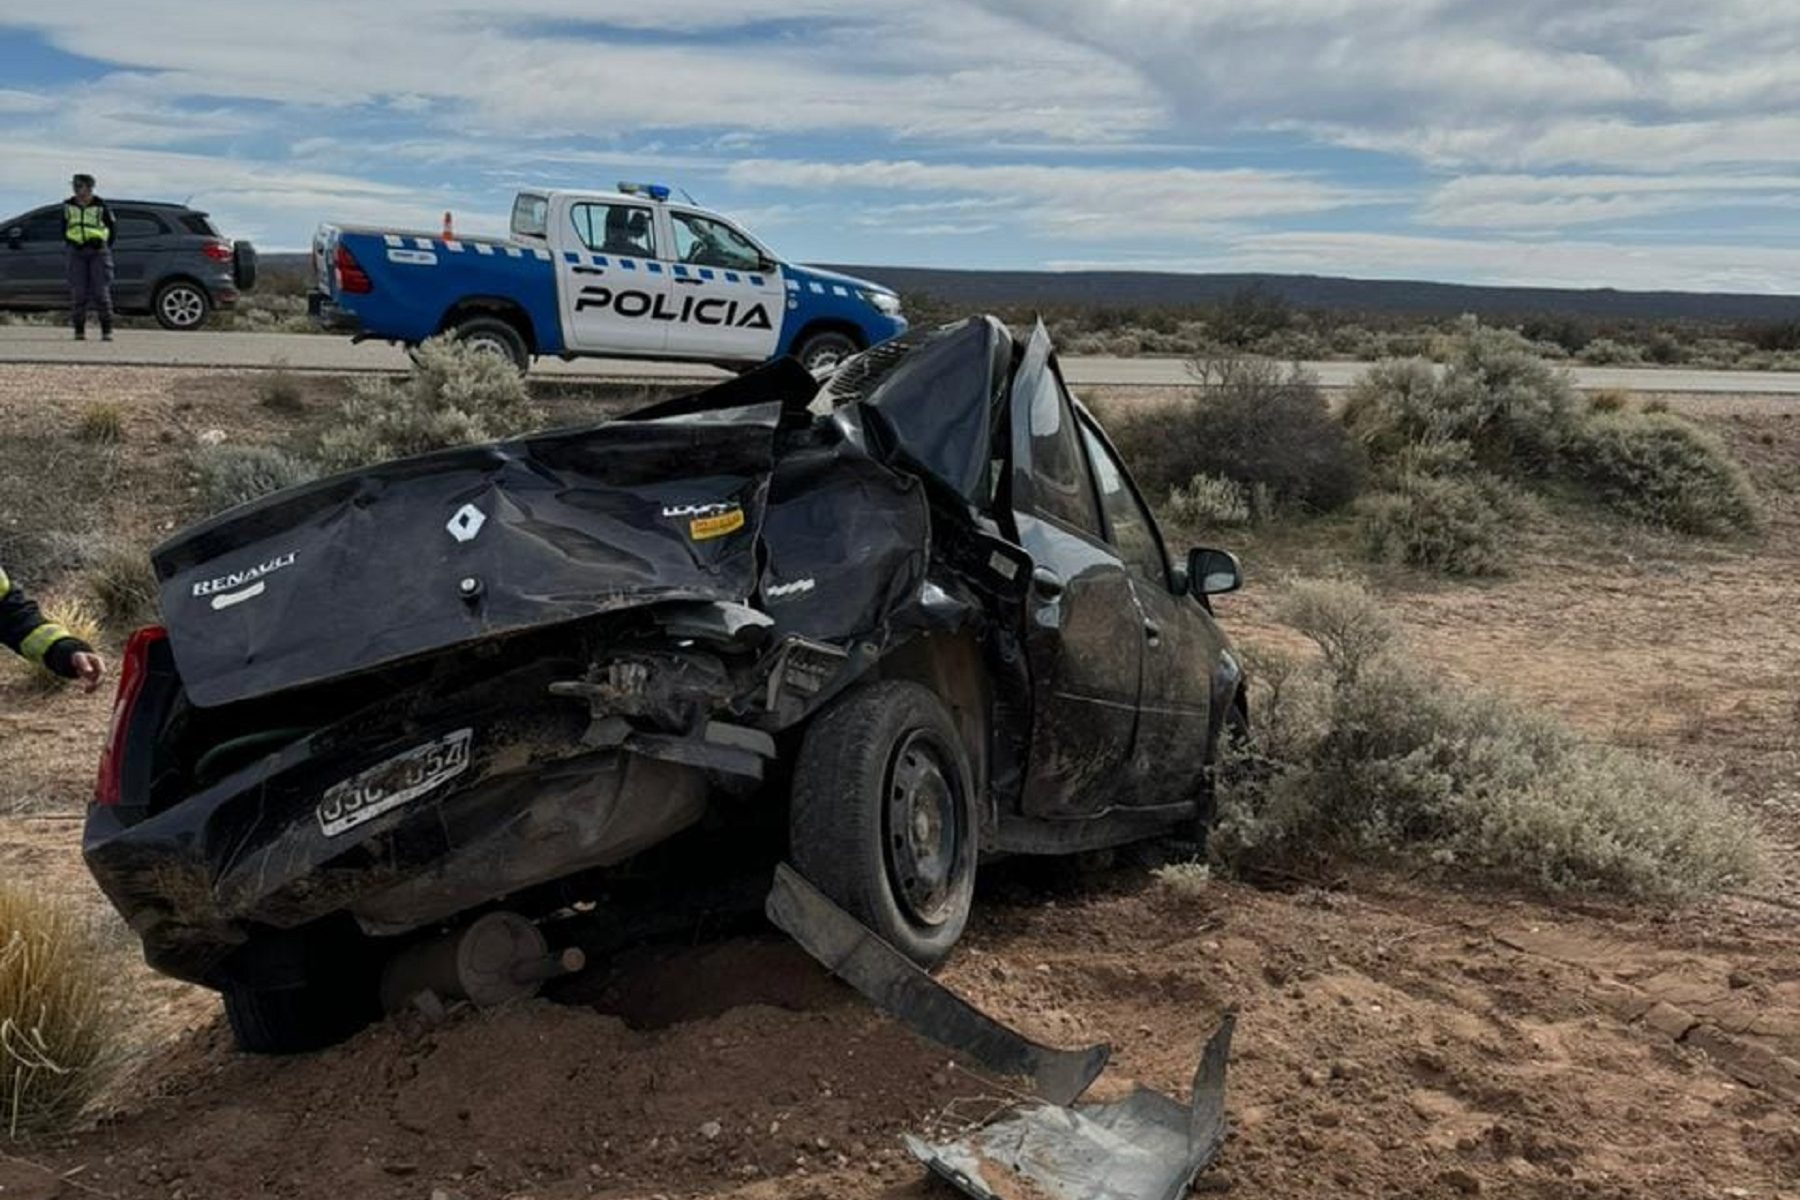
x=24, y=631
x=112, y=227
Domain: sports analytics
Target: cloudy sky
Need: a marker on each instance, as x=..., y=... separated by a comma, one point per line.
x=1625, y=143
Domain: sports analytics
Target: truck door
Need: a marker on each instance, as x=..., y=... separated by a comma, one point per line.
x=1084, y=633
x=730, y=292
x=613, y=291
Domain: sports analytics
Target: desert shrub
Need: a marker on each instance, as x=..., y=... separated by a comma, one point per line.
x=1656, y=404
x=1456, y=524
x=1249, y=314
x=455, y=395
x=280, y=391
x=1212, y=501
x=234, y=475
x=1184, y=878
x=1361, y=753
x=1605, y=352
x=59, y=1037
x=1659, y=469
x=1566, y=330
x=1773, y=335
x=1515, y=411
x=1250, y=422
x=1609, y=400
x=123, y=585
x=1665, y=349
x=101, y=423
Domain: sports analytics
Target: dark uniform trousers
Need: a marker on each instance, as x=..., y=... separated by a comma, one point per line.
x=90, y=283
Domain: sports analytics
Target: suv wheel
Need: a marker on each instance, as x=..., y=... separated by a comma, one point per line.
x=821, y=351
x=491, y=335
x=883, y=817
x=181, y=305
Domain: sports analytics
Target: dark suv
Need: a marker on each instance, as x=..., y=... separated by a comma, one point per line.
x=168, y=260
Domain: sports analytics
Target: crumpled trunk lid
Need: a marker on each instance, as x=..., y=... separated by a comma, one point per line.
x=410, y=557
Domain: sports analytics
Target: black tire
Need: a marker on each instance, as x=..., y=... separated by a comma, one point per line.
x=289, y=992
x=494, y=336
x=884, y=750
x=826, y=348
x=181, y=305
x=243, y=266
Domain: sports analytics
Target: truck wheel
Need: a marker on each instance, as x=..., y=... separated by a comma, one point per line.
x=828, y=348
x=181, y=305
x=290, y=991
x=491, y=335
x=883, y=817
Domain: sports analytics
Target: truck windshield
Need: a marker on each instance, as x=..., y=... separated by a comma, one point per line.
x=530, y=215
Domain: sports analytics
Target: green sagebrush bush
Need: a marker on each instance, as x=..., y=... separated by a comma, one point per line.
x=1656, y=468
x=1251, y=422
x=1363, y=753
x=455, y=395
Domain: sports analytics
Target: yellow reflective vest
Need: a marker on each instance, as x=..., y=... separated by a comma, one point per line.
x=85, y=225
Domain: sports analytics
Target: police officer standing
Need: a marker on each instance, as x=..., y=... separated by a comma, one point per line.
x=88, y=228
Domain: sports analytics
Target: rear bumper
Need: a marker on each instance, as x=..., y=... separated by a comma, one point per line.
x=327, y=315
x=196, y=881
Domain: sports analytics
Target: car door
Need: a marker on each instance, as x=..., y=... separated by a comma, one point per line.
x=1181, y=643
x=140, y=238
x=614, y=292
x=33, y=264
x=1084, y=635
x=731, y=294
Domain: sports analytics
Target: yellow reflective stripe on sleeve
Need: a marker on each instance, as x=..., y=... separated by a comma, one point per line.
x=37, y=643
x=5, y=584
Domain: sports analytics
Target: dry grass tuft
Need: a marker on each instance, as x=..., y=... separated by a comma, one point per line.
x=60, y=1035
x=101, y=423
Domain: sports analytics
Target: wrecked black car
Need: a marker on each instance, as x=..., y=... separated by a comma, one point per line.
x=888, y=623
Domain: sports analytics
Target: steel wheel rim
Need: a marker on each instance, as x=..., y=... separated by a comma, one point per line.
x=825, y=356
x=487, y=343
x=183, y=306
x=925, y=834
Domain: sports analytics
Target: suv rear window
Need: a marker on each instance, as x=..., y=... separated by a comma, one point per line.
x=197, y=223
x=136, y=223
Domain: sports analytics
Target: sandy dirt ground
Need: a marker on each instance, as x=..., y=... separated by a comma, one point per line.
x=1396, y=1037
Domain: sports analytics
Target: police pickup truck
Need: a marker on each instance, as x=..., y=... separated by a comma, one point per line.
x=625, y=274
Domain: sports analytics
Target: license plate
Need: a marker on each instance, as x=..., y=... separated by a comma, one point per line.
x=400, y=780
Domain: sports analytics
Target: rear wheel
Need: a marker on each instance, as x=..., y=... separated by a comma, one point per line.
x=491, y=335
x=825, y=349
x=290, y=991
x=180, y=305
x=883, y=817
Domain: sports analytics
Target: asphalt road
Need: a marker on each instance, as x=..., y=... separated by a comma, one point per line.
x=314, y=352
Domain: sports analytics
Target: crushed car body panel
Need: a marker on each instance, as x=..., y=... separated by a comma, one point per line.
x=1144, y=1147
x=899, y=988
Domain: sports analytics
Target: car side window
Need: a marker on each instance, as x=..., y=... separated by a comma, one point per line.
x=135, y=223
x=615, y=229
x=1059, y=478
x=710, y=243
x=1133, y=530
x=44, y=226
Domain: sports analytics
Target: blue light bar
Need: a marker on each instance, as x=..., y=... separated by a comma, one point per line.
x=656, y=191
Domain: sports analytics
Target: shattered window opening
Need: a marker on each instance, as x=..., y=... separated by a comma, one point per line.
x=1059, y=476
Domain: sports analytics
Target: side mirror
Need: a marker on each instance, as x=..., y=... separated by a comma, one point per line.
x=15, y=237
x=1213, y=572
x=766, y=265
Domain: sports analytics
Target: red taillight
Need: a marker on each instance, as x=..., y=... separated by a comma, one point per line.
x=217, y=251
x=134, y=665
x=351, y=277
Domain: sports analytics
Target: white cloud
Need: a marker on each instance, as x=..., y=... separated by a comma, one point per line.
x=1559, y=201
x=1684, y=266
x=1101, y=203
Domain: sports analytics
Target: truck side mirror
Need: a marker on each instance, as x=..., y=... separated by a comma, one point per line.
x=1213, y=572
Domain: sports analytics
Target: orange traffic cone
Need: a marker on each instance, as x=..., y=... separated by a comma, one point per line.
x=449, y=234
